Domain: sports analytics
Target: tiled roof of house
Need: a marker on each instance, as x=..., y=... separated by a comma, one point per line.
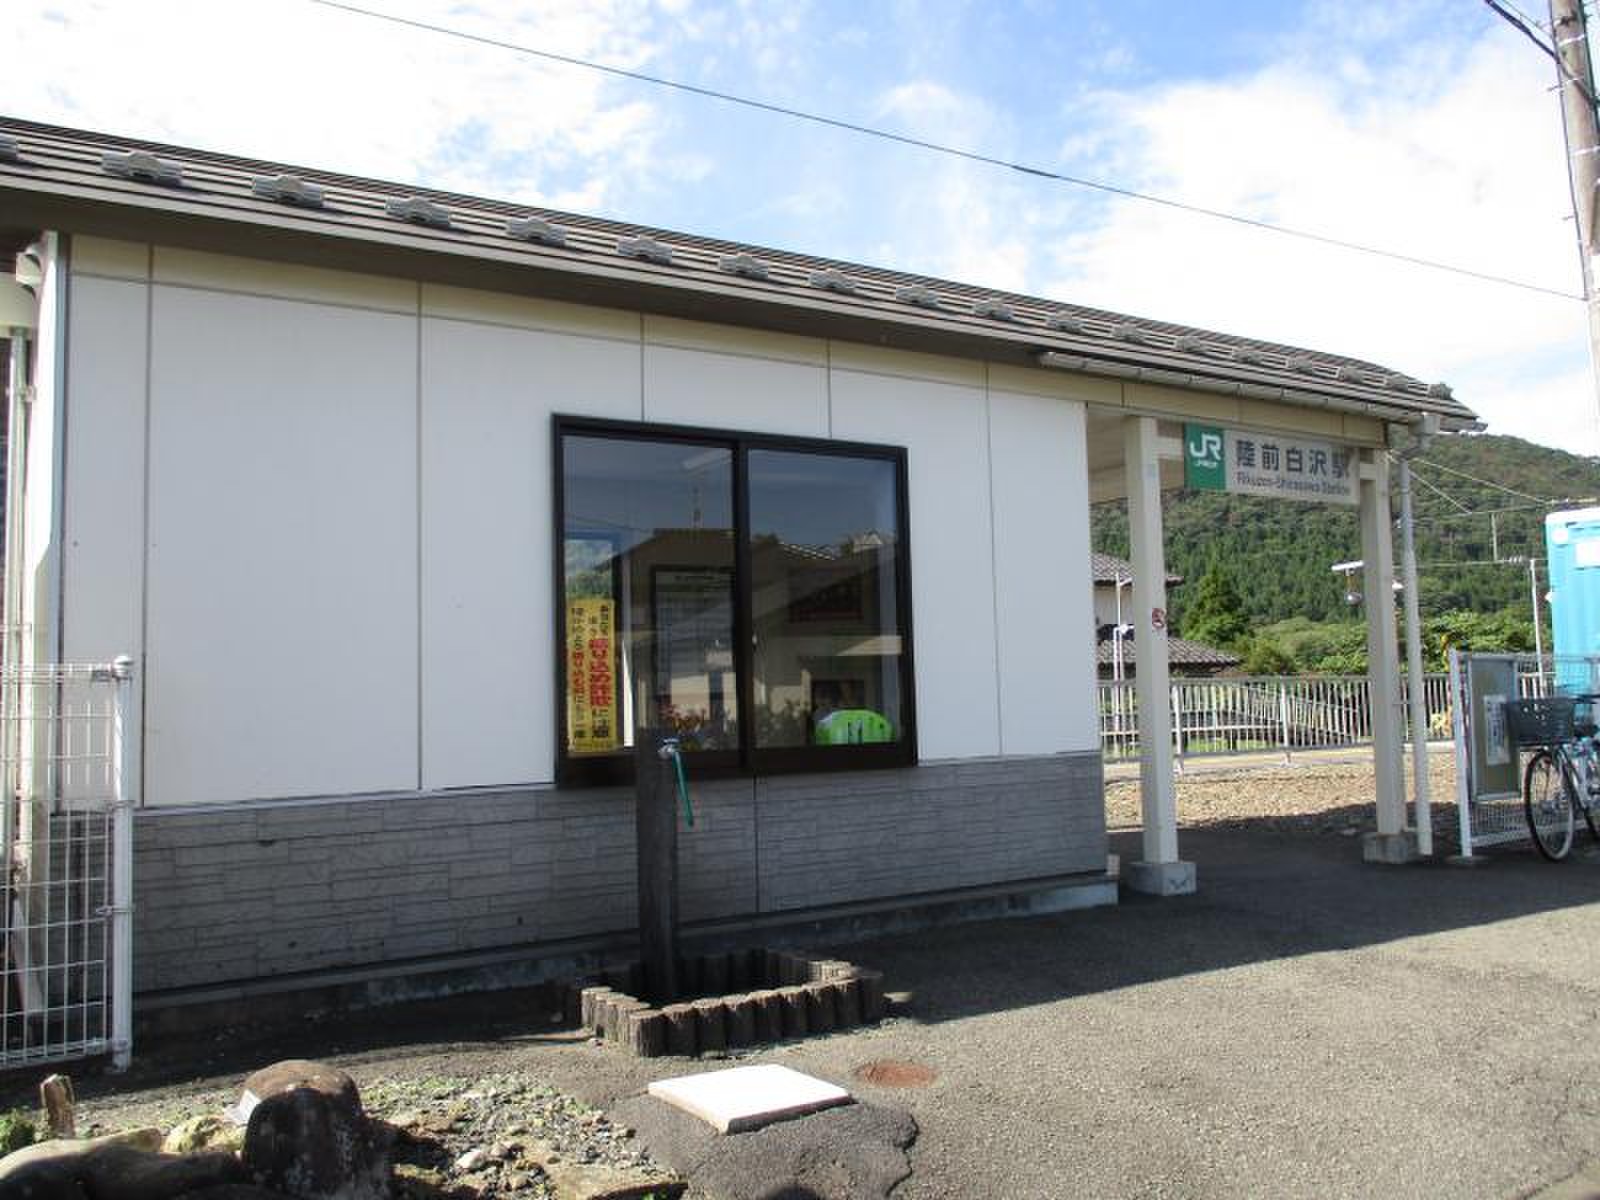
x=52, y=177
x=1108, y=568
x=1180, y=652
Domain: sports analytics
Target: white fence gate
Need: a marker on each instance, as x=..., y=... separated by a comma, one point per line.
x=66, y=832
x=1257, y=713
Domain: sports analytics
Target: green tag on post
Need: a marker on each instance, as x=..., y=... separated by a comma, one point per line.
x=1203, y=466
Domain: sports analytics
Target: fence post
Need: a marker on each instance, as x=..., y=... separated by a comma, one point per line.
x=1459, y=716
x=1177, y=729
x=1283, y=720
x=124, y=790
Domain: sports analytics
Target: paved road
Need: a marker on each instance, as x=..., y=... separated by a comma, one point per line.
x=1305, y=1026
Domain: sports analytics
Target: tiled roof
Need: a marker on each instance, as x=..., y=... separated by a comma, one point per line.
x=80, y=181
x=1180, y=652
x=1108, y=568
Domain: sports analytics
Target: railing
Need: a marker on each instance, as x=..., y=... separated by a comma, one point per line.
x=1262, y=713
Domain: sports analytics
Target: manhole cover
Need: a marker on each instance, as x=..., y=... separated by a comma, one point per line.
x=889, y=1072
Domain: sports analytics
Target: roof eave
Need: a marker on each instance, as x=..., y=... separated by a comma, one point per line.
x=468, y=258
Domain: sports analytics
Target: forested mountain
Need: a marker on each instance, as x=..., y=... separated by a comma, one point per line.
x=1279, y=552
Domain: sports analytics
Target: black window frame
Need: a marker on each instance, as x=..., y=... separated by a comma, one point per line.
x=749, y=759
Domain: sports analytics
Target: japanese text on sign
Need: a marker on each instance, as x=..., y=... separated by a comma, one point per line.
x=591, y=675
x=1259, y=464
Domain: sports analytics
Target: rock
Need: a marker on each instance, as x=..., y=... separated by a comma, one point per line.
x=472, y=1159
x=421, y=1183
x=203, y=1133
x=308, y=1136
x=111, y=1169
x=141, y=1139
x=599, y=1182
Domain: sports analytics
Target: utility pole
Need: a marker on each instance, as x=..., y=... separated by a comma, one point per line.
x=1582, y=127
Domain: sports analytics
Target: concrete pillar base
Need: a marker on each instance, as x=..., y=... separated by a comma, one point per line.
x=1391, y=849
x=1160, y=879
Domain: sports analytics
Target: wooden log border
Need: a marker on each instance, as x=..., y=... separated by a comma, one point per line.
x=788, y=994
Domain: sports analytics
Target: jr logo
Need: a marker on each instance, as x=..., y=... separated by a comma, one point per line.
x=1203, y=454
x=1206, y=449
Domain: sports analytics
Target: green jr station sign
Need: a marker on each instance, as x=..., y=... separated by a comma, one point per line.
x=1216, y=459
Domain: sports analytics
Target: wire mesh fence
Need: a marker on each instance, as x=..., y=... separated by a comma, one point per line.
x=65, y=833
x=1261, y=713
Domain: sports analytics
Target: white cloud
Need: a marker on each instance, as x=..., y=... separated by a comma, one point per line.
x=1468, y=170
x=322, y=88
x=1446, y=147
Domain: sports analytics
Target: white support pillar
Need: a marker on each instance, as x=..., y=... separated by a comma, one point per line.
x=1390, y=844
x=1159, y=872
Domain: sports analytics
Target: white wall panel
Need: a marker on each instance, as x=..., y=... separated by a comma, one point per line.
x=726, y=391
x=1043, y=601
x=289, y=281
x=282, y=619
x=103, y=545
x=114, y=259
x=945, y=434
x=488, y=628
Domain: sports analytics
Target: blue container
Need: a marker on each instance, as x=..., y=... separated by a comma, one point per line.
x=1572, y=550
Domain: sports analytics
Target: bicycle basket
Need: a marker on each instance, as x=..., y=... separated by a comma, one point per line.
x=1542, y=721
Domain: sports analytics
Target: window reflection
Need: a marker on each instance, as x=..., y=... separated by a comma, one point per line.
x=648, y=588
x=823, y=544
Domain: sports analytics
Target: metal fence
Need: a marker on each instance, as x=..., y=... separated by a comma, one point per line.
x=1262, y=713
x=66, y=833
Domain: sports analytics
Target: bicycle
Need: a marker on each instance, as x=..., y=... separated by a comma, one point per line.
x=1563, y=776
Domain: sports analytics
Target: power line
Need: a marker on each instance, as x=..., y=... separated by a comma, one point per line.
x=1521, y=22
x=1438, y=491
x=941, y=148
x=1499, y=487
x=1468, y=514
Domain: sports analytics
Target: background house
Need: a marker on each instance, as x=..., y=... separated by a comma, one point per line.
x=1113, y=606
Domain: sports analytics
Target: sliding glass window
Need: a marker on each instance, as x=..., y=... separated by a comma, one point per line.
x=746, y=594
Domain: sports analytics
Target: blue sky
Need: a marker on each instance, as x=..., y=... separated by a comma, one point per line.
x=1423, y=125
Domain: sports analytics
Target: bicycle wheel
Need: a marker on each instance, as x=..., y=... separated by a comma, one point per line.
x=1590, y=804
x=1548, y=806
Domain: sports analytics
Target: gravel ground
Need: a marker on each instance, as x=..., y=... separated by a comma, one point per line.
x=1310, y=795
x=458, y=1132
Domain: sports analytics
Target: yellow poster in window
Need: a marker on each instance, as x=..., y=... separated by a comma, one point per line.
x=592, y=675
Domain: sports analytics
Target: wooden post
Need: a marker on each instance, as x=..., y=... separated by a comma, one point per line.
x=656, y=831
x=847, y=1002
x=646, y=1032
x=709, y=1027
x=592, y=999
x=769, y=1015
x=819, y=1007
x=793, y=999
x=869, y=986
x=740, y=1019
x=680, y=1029
x=59, y=1104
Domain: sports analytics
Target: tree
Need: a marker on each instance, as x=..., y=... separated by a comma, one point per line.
x=1265, y=656
x=1216, y=614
